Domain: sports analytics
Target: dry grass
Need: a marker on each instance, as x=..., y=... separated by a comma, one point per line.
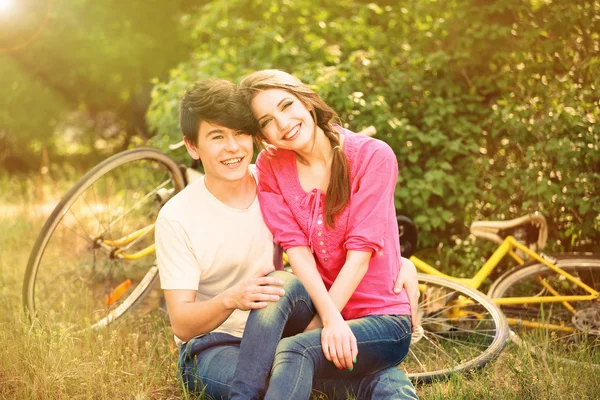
x=136, y=359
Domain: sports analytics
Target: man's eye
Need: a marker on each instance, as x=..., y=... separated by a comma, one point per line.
x=217, y=137
x=242, y=133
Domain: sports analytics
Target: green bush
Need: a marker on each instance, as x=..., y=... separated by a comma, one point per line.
x=492, y=107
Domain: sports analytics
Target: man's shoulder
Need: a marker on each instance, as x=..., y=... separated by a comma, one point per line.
x=190, y=199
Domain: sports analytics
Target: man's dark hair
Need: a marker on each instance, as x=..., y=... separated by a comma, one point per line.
x=217, y=101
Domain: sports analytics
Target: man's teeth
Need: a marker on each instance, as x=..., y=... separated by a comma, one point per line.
x=232, y=161
x=292, y=132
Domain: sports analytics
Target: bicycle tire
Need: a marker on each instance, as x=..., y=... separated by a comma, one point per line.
x=565, y=347
x=123, y=166
x=428, y=359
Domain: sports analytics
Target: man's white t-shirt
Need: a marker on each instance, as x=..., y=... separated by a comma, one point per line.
x=205, y=245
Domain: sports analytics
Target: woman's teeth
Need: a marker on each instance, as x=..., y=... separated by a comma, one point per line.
x=292, y=133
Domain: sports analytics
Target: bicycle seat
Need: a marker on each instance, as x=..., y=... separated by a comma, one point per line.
x=407, y=234
x=531, y=229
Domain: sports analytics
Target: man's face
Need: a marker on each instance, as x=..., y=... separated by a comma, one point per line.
x=225, y=153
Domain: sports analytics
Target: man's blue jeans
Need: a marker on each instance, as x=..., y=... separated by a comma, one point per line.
x=209, y=362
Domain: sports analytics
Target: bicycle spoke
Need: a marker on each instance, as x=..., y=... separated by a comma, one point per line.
x=152, y=193
x=69, y=275
x=460, y=330
x=414, y=356
x=579, y=325
x=90, y=207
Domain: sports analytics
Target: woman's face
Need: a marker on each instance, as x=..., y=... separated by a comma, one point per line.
x=283, y=119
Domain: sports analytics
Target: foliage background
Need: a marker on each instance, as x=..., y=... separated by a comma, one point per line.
x=75, y=76
x=492, y=106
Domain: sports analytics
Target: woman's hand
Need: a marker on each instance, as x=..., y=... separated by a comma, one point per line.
x=339, y=343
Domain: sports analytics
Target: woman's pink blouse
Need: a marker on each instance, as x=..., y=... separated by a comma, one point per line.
x=368, y=223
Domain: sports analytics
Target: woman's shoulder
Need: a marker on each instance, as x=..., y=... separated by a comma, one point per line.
x=270, y=155
x=365, y=147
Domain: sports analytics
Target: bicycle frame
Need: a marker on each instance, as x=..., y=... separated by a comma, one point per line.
x=116, y=249
x=507, y=247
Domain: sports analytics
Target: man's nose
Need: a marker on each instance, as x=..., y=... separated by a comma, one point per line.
x=232, y=143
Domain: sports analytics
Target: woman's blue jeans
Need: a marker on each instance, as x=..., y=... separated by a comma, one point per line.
x=208, y=363
x=383, y=342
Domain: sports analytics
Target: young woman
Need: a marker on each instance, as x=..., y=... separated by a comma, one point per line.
x=328, y=197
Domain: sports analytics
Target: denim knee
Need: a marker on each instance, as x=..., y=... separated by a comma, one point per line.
x=290, y=347
x=291, y=283
x=294, y=302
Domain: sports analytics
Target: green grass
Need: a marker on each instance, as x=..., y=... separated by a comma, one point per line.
x=136, y=358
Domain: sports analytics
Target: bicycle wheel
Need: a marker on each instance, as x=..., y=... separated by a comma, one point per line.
x=75, y=276
x=566, y=333
x=462, y=330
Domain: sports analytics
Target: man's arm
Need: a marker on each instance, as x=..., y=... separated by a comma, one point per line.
x=190, y=318
x=407, y=279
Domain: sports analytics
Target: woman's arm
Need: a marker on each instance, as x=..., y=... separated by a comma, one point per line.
x=338, y=341
x=353, y=271
x=406, y=280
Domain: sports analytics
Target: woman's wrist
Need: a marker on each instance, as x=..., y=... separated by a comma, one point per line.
x=331, y=316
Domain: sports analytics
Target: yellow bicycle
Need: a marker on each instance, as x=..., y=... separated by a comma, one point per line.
x=553, y=300
x=94, y=257
x=94, y=261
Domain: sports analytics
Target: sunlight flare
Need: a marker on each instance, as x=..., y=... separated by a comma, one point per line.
x=6, y=5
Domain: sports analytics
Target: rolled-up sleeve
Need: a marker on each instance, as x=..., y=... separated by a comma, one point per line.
x=372, y=200
x=275, y=210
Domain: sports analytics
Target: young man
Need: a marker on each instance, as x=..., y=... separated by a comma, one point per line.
x=216, y=255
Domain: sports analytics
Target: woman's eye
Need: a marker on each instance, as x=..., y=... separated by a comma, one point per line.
x=264, y=123
x=286, y=105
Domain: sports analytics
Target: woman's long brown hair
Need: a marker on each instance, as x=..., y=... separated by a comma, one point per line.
x=338, y=189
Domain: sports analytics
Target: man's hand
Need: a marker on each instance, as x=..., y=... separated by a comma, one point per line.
x=407, y=279
x=255, y=292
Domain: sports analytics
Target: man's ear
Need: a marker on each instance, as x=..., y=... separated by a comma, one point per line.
x=191, y=148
